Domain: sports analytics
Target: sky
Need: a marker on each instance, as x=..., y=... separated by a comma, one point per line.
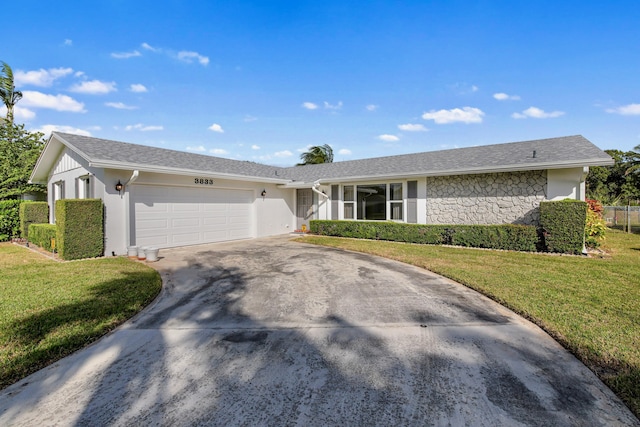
x=264, y=80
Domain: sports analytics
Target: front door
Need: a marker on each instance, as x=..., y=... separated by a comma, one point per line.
x=304, y=211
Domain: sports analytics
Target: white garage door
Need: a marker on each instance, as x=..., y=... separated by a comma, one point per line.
x=180, y=216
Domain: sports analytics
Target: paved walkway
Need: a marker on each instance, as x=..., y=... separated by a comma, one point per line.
x=271, y=332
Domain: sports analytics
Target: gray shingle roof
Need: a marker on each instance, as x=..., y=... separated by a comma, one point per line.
x=97, y=150
x=567, y=151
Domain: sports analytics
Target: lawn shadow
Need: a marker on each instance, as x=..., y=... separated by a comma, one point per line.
x=57, y=332
x=204, y=354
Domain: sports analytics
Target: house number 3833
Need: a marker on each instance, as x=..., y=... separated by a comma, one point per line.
x=204, y=181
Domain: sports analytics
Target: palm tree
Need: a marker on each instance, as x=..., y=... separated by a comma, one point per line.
x=8, y=91
x=316, y=155
x=634, y=160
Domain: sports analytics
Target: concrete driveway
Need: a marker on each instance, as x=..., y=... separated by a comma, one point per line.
x=271, y=332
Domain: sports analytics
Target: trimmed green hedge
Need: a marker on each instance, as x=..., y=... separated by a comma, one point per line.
x=43, y=235
x=9, y=219
x=32, y=213
x=563, y=225
x=80, y=228
x=504, y=236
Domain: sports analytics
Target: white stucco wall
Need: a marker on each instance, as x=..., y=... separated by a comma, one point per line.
x=272, y=215
x=566, y=183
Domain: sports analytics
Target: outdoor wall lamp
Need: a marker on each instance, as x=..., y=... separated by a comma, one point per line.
x=119, y=187
x=264, y=193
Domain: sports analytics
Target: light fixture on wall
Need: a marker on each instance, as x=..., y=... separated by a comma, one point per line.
x=264, y=193
x=119, y=187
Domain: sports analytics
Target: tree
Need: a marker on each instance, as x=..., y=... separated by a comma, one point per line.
x=19, y=151
x=316, y=155
x=8, y=91
x=617, y=184
x=634, y=162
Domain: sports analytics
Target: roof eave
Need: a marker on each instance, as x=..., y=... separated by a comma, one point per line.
x=49, y=154
x=180, y=171
x=450, y=172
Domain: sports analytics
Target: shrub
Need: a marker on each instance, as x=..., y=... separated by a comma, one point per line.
x=596, y=227
x=563, y=225
x=505, y=236
x=9, y=219
x=43, y=235
x=32, y=213
x=80, y=228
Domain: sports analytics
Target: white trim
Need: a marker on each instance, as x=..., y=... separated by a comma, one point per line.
x=188, y=172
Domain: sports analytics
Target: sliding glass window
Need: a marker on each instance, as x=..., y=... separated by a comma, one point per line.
x=395, y=202
x=372, y=202
x=349, y=202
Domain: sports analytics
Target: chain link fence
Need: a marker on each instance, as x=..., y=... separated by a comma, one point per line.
x=625, y=218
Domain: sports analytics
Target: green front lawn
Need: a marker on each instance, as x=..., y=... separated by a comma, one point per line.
x=590, y=305
x=49, y=309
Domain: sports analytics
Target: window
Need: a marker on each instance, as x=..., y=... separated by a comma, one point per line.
x=84, y=187
x=372, y=202
x=58, y=194
x=395, y=202
x=349, y=201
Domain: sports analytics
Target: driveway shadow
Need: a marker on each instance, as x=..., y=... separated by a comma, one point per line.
x=278, y=333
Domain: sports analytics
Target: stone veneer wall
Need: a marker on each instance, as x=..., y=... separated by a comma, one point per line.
x=496, y=198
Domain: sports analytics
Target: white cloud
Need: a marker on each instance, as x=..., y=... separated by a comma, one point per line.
x=47, y=129
x=344, y=152
x=464, y=88
x=388, y=138
x=309, y=105
x=147, y=46
x=464, y=115
x=19, y=113
x=537, y=113
x=41, y=77
x=216, y=128
x=501, y=96
x=68, y=42
x=120, y=106
x=284, y=153
x=255, y=147
x=125, y=55
x=188, y=57
x=328, y=106
x=94, y=87
x=248, y=118
x=137, y=88
x=626, y=110
x=54, y=102
x=143, y=128
x=199, y=148
x=410, y=127
x=371, y=107
x=218, y=151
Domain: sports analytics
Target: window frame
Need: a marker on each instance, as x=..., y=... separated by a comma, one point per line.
x=389, y=203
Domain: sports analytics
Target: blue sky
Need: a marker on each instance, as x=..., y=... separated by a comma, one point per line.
x=263, y=80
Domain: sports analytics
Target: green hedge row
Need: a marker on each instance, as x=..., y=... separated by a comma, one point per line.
x=9, y=219
x=563, y=226
x=80, y=228
x=32, y=213
x=43, y=235
x=504, y=236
